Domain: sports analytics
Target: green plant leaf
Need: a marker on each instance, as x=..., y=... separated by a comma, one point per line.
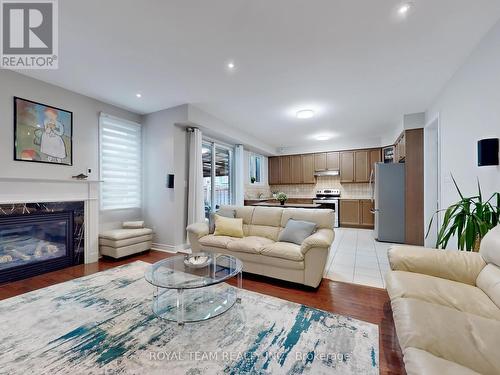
x=459, y=192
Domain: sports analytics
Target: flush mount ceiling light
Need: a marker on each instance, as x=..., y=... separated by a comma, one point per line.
x=305, y=114
x=139, y=95
x=404, y=8
x=323, y=137
x=230, y=65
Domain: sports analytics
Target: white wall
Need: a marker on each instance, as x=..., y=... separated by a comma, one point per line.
x=165, y=152
x=469, y=110
x=85, y=133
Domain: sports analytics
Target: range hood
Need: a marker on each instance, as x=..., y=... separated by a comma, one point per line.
x=327, y=173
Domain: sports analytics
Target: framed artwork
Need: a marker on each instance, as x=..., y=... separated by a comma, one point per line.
x=42, y=134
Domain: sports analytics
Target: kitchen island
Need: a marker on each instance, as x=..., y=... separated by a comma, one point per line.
x=286, y=205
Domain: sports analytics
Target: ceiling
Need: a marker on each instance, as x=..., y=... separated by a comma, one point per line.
x=357, y=63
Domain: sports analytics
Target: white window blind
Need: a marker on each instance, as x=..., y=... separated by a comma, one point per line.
x=120, y=163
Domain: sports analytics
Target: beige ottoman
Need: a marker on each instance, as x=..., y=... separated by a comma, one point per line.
x=119, y=243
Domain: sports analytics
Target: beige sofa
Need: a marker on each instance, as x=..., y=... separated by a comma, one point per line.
x=259, y=250
x=446, y=307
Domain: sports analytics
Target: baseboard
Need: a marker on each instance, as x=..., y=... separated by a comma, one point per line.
x=170, y=248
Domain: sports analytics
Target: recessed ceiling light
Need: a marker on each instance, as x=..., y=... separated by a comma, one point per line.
x=139, y=95
x=231, y=65
x=305, y=114
x=404, y=8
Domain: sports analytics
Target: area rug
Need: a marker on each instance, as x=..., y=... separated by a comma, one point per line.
x=103, y=324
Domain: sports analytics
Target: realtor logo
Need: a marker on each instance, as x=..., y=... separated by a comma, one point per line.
x=29, y=34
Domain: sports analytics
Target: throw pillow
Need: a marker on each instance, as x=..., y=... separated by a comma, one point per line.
x=133, y=224
x=296, y=231
x=226, y=212
x=225, y=226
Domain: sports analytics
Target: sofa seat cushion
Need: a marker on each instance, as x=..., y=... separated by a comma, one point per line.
x=463, y=338
x=284, y=250
x=420, y=362
x=460, y=296
x=216, y=241
x=251, y=244
x=123, y=234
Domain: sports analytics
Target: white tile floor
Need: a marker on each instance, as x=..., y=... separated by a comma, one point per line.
x=355, y=257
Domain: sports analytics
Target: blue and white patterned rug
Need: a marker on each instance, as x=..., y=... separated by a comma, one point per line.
x=103, y=324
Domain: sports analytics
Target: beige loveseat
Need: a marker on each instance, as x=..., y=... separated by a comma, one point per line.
x=446, y=307
x=259, y=250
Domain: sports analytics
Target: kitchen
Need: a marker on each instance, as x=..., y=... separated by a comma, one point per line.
x=345, y=180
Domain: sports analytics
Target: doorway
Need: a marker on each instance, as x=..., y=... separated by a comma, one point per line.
x=432, y=179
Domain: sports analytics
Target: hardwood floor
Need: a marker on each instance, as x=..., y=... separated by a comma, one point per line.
x=360, y=302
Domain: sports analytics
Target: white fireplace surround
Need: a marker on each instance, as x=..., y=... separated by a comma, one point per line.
x=37, y=190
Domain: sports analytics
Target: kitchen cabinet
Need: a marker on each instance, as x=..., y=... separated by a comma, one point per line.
x=308, y=169
x=367, y=218
x=361, y=166
x=333, y=161
x=347, y=166
x=296, y=169
x=286, y=169
x=356, y=213
x=274, y=170
x=349, y=213
x=375, y=157
x=400, y=148
x=320, y=161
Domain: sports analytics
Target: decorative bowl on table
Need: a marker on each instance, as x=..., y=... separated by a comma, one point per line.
x=197, y=261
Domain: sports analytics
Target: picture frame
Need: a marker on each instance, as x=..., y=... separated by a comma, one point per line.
x=42, y=133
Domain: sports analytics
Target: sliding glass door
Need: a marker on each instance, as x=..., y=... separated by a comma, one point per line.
x=217, y=176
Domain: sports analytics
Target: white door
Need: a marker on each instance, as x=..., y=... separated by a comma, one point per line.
x=432, y=179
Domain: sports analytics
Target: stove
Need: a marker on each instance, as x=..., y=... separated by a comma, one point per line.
x=329, y=198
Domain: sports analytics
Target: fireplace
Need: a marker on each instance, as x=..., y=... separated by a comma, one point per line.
x=35, y=243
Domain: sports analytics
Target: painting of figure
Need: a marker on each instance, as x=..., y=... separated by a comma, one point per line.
x=42, y=133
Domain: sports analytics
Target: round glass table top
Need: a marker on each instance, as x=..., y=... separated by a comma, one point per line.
x=192, y=271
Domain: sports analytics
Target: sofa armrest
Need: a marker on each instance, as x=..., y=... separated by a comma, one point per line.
x=322, y=238
x=198, y=229
x=453, y=265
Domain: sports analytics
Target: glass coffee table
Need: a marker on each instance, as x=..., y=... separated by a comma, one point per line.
x=186, y=292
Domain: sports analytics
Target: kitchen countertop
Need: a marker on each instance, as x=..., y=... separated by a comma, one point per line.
x=296, y=205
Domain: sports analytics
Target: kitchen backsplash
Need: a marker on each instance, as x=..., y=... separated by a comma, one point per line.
x=355, y=191
x=257, y=191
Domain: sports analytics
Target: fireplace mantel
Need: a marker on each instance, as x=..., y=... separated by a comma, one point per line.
x=45, y=190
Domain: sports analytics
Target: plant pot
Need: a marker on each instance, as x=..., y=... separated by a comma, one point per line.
x=282, y=203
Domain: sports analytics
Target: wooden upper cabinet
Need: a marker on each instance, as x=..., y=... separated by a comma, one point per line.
x=347, y=166
x=274, y=170
x=361, y=166
x=375, y=157
x=333, y=161
x=320, y=161
x=286, y=169
x=296, y=169
x=308, y=169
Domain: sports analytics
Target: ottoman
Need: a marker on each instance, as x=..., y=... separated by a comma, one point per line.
x=119, y=243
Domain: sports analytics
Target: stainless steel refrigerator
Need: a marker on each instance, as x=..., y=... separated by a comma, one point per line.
x=389, y=195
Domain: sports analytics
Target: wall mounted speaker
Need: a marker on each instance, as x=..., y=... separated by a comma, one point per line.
x=170, y=181
x=487, y=152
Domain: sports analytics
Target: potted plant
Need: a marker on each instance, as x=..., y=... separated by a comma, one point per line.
x=282, y=198
x=253, y=179
x=469, y=219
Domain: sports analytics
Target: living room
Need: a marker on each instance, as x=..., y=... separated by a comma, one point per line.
x=234, y=187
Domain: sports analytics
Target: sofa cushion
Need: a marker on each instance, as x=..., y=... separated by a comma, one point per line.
x=420, y=362
x=489, y=282
x=267, y=216
x=216, y=241
x=296, y=231
x=133, y=224
x=442, y=292
x=225, y=226
x=251, y=244
x=323, y=218
x=490, y=246
x=467, y=339
x=122, y=234
x=285, y=250
x=264, y=231
x=226, y=212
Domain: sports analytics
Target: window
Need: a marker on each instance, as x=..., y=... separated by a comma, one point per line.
x=256, y=169
x=120, y=163
x=217, y=175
